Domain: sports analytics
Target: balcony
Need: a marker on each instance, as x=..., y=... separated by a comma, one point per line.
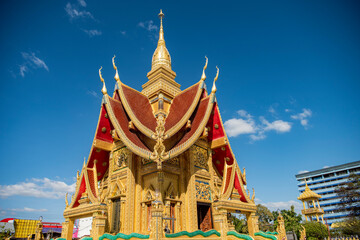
x=312, y=211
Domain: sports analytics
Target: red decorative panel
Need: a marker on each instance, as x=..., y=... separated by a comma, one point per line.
x=238, y=188
x=215, y=125
x=102, y=161
x=104, y=127
x=90, y=174
x=228, y=177
x=81, y=191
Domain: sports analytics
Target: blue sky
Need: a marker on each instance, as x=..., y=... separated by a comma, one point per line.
x=288, y=88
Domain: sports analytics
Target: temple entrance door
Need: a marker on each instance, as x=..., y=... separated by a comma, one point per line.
x=204, y=216
x=116, y=206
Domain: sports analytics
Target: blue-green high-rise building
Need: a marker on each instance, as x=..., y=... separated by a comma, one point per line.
x=323, y=182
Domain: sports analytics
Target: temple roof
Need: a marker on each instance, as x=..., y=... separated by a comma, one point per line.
x=308, y=194
x=130, y=117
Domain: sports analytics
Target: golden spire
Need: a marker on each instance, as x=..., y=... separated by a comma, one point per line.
x=116, y=74
x=213, y=90
x=203, y=76
x=103, y=90
x=161, y=55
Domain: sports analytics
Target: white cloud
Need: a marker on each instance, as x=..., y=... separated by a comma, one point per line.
x=279, y=126
x=74, y=13
x=31, y=61
x=93, y=93
x=40, y=188
x=303, y=171
x=326, y=166
x=246, y=124
x=123, y=32
x=26, y=209
x=235, y=127
x=23, y=69
x=82, y=3
x=303, y=117
x=93, y=32
x=273, y=206
x=148, y=25
x=272, y=110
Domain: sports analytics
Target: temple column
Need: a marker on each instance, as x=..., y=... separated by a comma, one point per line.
x=157, y=231
x=252, y=223
x=98, y=225
x=177, y=216
x=167, y=214
x=220, y=222
x=143, y=219
x=130, y=195
x=182, y=179
x=122, y=215
x=313, y=201
x=138, y=207
x=191, y=208
x=67, y=229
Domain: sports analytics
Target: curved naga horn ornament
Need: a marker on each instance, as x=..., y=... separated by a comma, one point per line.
x=203, y=76
x=66, y=200
x=213, y=90
x=117, y=78
x=103, y=90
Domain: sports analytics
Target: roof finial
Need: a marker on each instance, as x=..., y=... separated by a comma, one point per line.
x=161, y=33
x=103, y=90
x=203, y=76
x=213, y=90
x=161, y=55
x=116, y=74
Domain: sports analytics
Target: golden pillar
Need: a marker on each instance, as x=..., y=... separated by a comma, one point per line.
x=67, y=229
x=98, y=224
x=252, y=223
x=130, y=196
x=220, y=222
x=156, y=231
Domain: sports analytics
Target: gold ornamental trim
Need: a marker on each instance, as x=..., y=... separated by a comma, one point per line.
x=190, y=111
x=135, y=149
x=219, y=142
x=146, y=131
x=103, y=145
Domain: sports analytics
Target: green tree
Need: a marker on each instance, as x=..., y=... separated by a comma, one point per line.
x=349, y=195
x=265, y=218
x=4, y=233
x=291, y=218
x=315, y=230
x=240, y=224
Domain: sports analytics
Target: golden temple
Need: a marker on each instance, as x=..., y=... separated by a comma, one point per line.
x=161, y=165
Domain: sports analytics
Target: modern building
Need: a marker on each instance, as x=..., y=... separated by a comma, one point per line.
x=324, y=182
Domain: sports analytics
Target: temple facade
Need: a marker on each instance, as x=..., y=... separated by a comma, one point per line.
x=160, y=163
